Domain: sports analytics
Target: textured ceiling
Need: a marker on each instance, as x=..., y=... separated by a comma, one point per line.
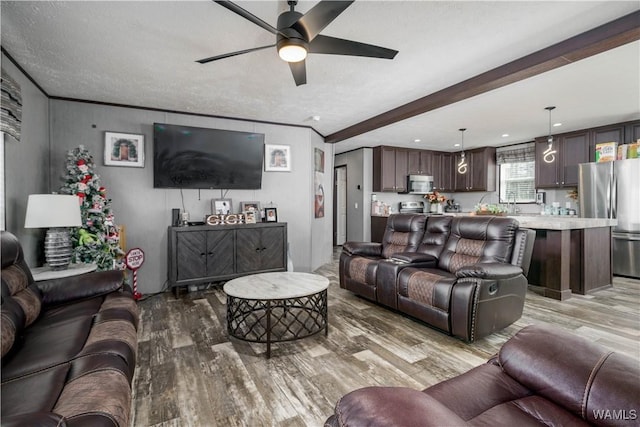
x=143, y=54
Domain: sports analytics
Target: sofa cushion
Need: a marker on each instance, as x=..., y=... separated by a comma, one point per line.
x=478, y=239
x=435, y=235
x=585, y=381
x=362, y=269
x=427, y=286
x=46, y=347
x=403, y=234
x=33, y=393
x=13, y=320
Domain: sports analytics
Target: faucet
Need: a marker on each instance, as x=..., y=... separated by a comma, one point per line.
x=512, y=206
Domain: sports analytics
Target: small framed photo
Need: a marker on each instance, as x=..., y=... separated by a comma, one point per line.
x=221, y=206
x=277, y=158
x=271, y=214
x=250, y=207
x=250, y=217
x=123, y=149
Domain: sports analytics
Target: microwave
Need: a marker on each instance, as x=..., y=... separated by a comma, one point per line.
x=419, y=184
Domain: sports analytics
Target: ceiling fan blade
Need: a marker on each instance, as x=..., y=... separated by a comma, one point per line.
x=299, y=71
x=228, y=55
x=247, y=15
x=321, y=15
x=335, y=46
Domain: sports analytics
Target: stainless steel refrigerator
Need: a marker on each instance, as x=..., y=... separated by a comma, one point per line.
x=612, y=190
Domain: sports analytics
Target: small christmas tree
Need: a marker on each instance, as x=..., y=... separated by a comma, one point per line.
x=97, y=241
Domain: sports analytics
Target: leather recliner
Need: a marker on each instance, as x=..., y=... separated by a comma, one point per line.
x=466, y=277
x=542, y=376
x=359, y=260
x=478, y=286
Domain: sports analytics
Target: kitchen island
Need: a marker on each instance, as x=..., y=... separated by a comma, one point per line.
x=570, y=255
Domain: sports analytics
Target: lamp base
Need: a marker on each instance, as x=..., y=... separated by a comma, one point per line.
x=58, y=248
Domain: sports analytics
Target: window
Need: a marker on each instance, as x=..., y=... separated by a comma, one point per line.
x=517, y=173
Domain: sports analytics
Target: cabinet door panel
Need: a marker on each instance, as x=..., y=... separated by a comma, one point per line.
x=248, y=248
x=272, y=248
x=191, y=255
x=448, y=180
x=575, y=150
x=220, y=253
x=401, y=170
x=478, y=171
x=413, y=162
x=388, y=172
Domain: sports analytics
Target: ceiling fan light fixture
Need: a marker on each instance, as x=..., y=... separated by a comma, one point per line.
x=292, y=50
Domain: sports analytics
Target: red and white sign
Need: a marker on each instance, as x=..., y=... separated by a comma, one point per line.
x=133, y=260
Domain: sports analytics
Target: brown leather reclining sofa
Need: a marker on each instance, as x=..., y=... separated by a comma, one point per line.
x=68, y=346
x=541, y=377
x=463, y=275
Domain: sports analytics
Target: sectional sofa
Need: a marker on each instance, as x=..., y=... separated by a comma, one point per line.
x=68, y=346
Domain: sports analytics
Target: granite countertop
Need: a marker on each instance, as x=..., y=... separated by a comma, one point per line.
x=556, y=222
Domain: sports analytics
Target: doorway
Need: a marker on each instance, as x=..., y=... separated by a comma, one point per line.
x=339, y=205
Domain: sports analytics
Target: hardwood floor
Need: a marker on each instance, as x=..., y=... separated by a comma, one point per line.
x=190, y=373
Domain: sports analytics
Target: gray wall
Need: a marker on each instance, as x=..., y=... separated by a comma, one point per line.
x=146, y=212
x=26, y=164
x=359, y=165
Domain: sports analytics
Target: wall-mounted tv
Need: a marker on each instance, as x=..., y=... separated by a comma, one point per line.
x=192, y=157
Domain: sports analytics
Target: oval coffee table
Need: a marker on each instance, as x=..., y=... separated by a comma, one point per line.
x=276, y=307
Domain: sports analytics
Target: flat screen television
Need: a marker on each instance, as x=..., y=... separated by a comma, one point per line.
x=192, y=157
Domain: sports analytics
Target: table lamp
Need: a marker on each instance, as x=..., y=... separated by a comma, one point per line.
x=56, y=212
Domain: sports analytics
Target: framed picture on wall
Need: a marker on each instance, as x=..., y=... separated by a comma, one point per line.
x=221, y=206
x=277, y=158
x=123, y=149
x=271, y=214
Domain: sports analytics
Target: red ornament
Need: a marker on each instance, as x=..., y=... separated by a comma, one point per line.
x=81, y=196
x=80, y=162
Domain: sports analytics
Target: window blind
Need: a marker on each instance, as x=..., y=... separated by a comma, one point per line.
x=10, y=106
x=516, y=153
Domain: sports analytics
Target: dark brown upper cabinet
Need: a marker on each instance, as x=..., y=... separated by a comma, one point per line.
x=480, y=174
x=571, y=150
x=443, y=179
x=420, y=162
x=390, y=169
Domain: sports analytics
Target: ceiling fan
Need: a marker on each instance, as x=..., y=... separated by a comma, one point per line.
x=298, y=34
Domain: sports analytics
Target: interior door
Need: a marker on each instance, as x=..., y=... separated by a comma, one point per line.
x=341, y=205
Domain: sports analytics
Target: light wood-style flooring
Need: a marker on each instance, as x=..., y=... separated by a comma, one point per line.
x=190, y=373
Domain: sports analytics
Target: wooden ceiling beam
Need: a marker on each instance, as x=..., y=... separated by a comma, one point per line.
x=600, y=39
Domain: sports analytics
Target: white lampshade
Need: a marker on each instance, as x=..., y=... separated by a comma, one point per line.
x=52, y=210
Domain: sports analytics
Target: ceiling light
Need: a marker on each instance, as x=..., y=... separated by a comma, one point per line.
x=457, y=144
x=292, y=50
x=504, y=135
x=549, y=155
x=417, y=140
x=462, y=165
x=555, y=125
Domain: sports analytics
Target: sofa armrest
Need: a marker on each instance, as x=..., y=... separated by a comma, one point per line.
x=370, y=249
x=40, y=419
x=413, y=257
x=489, y=270
x=390, y=407
x=60, y=291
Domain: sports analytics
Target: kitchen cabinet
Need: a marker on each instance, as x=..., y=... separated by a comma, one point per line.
x=390, y=169
x=420, y=162
x=614, y=133
x=571, y=150
x=632, y=132
x=480, y=174
x=443, y=179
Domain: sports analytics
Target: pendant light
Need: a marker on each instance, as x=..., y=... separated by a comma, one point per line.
x=462, y=165
x=549, y=155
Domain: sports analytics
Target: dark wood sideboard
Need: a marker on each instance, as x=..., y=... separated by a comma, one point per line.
x=214, y=253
